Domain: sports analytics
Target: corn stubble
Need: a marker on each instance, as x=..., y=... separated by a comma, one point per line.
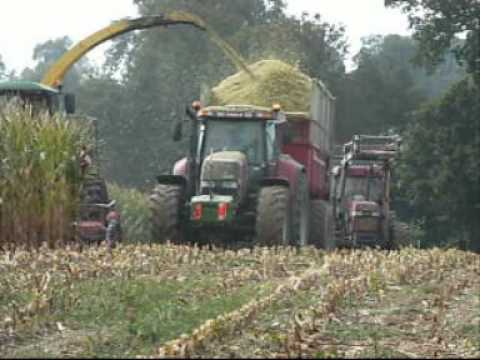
x=39, y=177
x=344, y=274
x=53, y=276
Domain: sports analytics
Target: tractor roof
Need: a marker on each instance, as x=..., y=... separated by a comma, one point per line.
x=237, y=111
x=265, y=112
x=25, y=86
x=364, y=170
x=237, y=108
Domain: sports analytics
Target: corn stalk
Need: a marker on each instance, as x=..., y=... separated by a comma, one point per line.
x=39, y=177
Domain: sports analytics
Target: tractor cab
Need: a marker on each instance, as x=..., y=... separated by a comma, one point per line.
x=366, y=181
x=247, y=129
x=233, y=148
x=241, y=135
x=36, y=97
x=361, y=188
x=359, y=191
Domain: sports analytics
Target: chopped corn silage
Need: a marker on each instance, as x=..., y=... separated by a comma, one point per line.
x=274, y=82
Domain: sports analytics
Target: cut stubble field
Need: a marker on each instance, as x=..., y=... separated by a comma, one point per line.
x=182, y=301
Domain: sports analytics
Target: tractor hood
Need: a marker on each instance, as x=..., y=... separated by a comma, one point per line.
x=224, y=173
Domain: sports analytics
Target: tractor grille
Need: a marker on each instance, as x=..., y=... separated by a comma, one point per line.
x=367, y=239
x=218, y=190
x=220, y=170
x=366, y=224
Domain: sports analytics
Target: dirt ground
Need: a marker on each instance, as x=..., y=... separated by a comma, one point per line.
x=179, y=301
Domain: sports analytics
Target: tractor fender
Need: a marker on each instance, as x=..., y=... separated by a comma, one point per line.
x=290, y=169
x=172, y=180
x=179, y=176
x=181, y=168
x=274, y=182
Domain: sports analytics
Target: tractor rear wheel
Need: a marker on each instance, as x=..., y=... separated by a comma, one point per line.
x=273, y=225
x=165, y=202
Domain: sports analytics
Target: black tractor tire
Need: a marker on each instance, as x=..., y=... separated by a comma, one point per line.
x=329, y=234
x=317, y=223
x=301, y=214
x=322, y=233
x=389, y=232
x=165, y=203
x=391, y=241
x=273, y=224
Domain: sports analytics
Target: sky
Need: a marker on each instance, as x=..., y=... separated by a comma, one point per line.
x=25, y=23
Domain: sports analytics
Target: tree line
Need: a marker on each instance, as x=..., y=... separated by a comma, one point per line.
x=424, y=86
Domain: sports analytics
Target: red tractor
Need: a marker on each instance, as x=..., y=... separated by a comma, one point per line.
x=252, y=173
x=361, y=187
x=98, y=219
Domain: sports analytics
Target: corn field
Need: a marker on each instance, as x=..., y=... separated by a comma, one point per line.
x=39, y=177
x=135, y=212
x=185, y=301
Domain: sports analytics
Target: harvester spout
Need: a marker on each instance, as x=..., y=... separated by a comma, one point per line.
x=55, y=75
x=147, y=22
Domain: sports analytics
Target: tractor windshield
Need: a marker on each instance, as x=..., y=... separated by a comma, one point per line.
x=234, y=135
x=370, y=187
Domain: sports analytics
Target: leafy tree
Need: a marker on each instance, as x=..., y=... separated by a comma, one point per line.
x=317, y=47
x=387, y=86
x=438, y=22
x=435, y=84
x=441, y=168
x=46, y=54
x=381, y=91
x=163, y=70
x=103, y=98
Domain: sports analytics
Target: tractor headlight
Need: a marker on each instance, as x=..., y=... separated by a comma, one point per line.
x=365, y=213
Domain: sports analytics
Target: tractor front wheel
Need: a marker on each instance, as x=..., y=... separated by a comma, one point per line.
x=165, y=202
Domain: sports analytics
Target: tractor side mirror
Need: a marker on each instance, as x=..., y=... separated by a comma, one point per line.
x=190, y=113
x=70, y=103
x=177, y=131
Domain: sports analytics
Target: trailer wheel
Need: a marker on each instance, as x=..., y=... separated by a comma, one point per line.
x=165, y=202
x=301, y=216
x=273, y=225
x=390, y=231
x=322, y=232
x=317, y=223
x=329, y=234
